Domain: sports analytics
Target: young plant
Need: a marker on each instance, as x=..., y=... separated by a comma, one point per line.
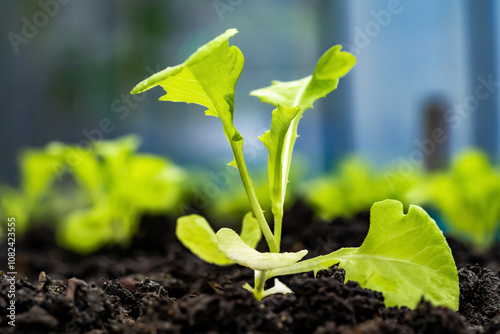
x=114, y=187
x=404, y=256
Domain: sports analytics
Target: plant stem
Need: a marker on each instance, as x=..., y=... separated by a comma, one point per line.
x=260, y=280
x=252, y=197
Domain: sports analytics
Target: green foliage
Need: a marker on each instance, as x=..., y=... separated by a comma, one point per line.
x=198, y=236
x=353, y=188
x=208, y=78
x=115, y=186
x=468, y=196
x=198, y=81
x=404, y=256
x=13, y=204
x=229, y=201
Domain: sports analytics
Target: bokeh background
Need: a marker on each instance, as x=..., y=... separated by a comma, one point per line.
x=68, y=66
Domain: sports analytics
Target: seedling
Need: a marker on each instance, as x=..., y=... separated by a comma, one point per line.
x=404, y=255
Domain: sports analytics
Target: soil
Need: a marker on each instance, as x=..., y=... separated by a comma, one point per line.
x=157, y=286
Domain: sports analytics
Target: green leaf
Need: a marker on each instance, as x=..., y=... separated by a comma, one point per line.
x=87, y=171
x=230, y=243
x=197, y=235
x=404, y=256
x=331, y=66
x=278, y=287
x=38, y=169
x=274, y=140
x=151, y=183
x=207, y=78
x=469, y=198
x=250, y=230
x=353, y=188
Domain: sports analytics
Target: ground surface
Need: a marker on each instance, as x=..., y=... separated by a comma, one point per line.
x=157, y=286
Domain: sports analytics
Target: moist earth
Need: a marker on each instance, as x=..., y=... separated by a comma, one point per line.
x=157, y=286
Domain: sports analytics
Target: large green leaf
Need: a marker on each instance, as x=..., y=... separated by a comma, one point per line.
x=196, y=234
x=303, y=92
x=404, y=256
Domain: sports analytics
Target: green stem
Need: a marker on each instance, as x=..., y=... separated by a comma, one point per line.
x=278, y=223
x=260, y=280
x=252, y=197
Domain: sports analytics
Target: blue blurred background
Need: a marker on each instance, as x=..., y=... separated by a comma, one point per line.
x=68, y=66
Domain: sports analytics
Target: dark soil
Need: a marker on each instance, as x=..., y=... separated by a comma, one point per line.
x=157, y=286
